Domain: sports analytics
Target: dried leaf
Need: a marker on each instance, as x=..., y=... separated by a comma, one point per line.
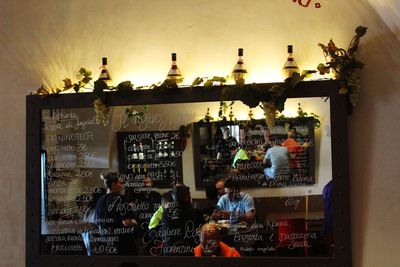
x=67, y=83
x=41, y=91
x=343, y=90
x=361, y=31
x=85, y=72
x=76, y=87
x=197, y=81
x=86, y=79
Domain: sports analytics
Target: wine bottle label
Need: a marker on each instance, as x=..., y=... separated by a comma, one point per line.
x=240, y=67
x=104, y=75
x=174, y=72
x=290, y=65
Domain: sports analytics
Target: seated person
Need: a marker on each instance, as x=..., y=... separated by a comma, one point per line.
x=220, y=186
x=211, y=244
x=166, y=198
x=241, y=154
x=146, y=200
x=279, y=159
x=180, y=223
x=211, y=202
x=235, y=205
x=166, y=201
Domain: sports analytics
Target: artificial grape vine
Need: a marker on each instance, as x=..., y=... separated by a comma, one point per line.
x=344, y=65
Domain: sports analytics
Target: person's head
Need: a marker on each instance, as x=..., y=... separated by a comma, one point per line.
x=232, y=189
x=226, y=132
x=211, y=193
x=266, y=146
x=112, y=182
x=148, y=182
x=218, y=134
x=209, y=239
x=181, y=194
x=292, y=133
x=166, y=198
x=220, y=186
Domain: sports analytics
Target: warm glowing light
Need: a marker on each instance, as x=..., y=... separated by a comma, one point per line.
x=287, y=112
x=265, y=75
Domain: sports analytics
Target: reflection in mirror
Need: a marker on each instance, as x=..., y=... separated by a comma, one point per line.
x=151, y=185
x=256, y=155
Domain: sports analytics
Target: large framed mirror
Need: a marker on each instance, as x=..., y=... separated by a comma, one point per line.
x=169, y=182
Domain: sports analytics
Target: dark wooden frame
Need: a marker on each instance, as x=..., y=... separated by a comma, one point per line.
x=342, y=234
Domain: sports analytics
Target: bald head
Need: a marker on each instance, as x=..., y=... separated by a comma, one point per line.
x=209, y=238
x=148, y=182
x=220, y=185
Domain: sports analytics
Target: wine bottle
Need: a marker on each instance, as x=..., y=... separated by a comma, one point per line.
x=135, y=152
x=165, y=150
x=160, y=153
x=172, y=149
x=290, y=65
x=133, y=168
x=171, y=174
x=145, y=168
x=239, y=71
x=104, y=74
x=141, y=152
x=174, y=73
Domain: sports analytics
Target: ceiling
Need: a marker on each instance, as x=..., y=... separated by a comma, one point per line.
x=389, y=10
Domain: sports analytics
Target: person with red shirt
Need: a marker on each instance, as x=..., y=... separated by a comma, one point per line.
x=295, y=149
x=211, y=244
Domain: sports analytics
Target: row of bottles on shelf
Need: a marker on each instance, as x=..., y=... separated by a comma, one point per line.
x=163, y=149
x=239, y=71
x=138, y=152
x=139, y=168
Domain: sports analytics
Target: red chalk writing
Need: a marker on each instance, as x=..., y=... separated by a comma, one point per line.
x=306, y=3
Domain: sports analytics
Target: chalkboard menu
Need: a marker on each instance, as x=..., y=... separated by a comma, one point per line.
x=154, y=154
x=73, y=140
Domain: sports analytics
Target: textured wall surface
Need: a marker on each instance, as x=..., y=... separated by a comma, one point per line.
x=42, y=42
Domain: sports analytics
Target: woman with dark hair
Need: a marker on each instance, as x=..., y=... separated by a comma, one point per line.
x=114, y=219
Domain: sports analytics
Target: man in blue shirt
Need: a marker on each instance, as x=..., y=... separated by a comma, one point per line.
x=235, y=205
x=279, y=159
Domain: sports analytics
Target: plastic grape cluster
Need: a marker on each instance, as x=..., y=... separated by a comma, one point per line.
x=269, y=113
x=102, y=112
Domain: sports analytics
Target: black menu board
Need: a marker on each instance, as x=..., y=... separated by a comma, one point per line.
x=154, y=154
